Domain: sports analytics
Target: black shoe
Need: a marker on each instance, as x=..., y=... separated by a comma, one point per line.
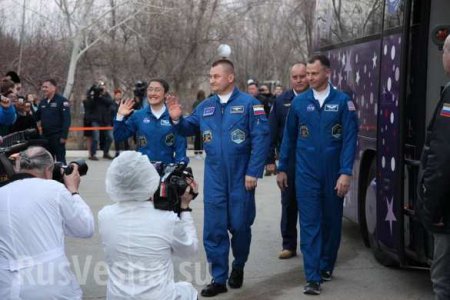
x=93, y=157
x=213, y=289
x=312, y=288
x=236, y=278
x=326, y=275
x=107, y=156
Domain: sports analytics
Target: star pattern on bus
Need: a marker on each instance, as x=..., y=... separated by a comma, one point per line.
x=390, y=216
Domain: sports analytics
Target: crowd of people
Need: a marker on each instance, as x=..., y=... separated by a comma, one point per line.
x=311, y=128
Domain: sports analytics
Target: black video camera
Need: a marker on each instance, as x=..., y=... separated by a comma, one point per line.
x=140, y=89
x=172, y=186
x=59, y=169
x=95, y=91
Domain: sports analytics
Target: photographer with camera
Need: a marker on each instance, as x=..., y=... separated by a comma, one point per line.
x=155, y=135
x=98, y=111
x=35, y=215
x=139, y=240
x=139, y=92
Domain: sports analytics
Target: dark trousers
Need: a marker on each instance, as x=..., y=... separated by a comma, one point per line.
x=121, y=146
x=56, y=148
x=289, y=214
x=198, y=143
x=440, y=270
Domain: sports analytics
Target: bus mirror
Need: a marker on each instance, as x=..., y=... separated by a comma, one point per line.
x=439, y=35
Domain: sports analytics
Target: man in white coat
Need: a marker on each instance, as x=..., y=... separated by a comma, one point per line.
x=138, y=239
x=35, y=215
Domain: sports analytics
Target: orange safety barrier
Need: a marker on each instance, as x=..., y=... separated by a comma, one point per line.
x=90, y=128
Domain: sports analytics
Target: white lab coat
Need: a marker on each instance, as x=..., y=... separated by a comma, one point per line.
x=35, y=214
x=139, y=242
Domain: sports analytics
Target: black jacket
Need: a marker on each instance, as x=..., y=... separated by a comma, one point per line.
x=433, y=203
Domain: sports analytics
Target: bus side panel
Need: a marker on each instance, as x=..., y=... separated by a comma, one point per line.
x=355, y=70
x=388, y=144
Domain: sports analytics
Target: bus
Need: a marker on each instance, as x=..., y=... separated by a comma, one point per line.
x=387, y=55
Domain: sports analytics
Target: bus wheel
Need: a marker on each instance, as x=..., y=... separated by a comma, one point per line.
x=370, y=218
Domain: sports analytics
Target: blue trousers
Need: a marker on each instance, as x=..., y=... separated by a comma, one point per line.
x=228, y=208
x=289, y=214
x=320, y=228
x=56, y=148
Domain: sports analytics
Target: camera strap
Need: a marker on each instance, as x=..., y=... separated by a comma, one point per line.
x=18, y=176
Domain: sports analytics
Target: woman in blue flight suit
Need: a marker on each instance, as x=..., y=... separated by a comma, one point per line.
x=155, y=136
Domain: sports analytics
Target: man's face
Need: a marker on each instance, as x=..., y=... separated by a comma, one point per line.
x=155, y=93
x=279, y=90
x=264, y=89
x=220, y=80
x=446, y=56
x=252, y=89
x=117, y=97
x=48, y=89
x=318, y=75
x=299, y=80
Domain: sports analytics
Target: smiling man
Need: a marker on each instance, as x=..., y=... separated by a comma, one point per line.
x=322, y=130
x=236, y=140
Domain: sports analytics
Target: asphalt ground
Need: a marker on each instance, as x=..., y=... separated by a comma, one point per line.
x=357, y=274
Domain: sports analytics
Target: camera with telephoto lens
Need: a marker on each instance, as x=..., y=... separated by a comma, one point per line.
x=59, y=169
x=140, y=89
x=173, y=184
x=95, y=91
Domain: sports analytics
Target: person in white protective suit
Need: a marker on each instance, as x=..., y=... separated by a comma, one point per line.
x=138, y=239
x=35, y=215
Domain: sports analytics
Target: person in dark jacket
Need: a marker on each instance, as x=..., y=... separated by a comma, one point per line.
x=25, y=119
x=433, y=204
x=54, y=114
x=277, y=120
x=101, y=116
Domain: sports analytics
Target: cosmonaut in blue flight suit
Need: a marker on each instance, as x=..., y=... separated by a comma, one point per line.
x=155, y=135
x=325, y=139
x=236, y=141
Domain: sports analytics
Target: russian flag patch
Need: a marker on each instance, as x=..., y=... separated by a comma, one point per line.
x=258, y=110
x=445, y=112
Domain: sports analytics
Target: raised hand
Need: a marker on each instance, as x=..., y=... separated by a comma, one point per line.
x=126, y=107
x=174, y=107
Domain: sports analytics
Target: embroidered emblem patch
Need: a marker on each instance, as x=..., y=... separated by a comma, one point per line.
x=238, y=136
x=146, y=120
x=287, y=104
x=207, y=136
x=336, y=131
x=310, y=107
x=141, y=141
x=332, y=107
x=258, y=110
x=304, y=131
x=209, y=111
x=351, y=106
x=66, y=103
x=170, y=139
x=54, y=104
x=237, y=110
x=165, y=122
x=445, y=112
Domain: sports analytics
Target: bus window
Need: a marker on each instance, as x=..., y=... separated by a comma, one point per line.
x=393, y=14
x=345, y=20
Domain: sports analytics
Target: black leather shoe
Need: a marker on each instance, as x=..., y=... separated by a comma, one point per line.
x=236, y=278
x=213, y=289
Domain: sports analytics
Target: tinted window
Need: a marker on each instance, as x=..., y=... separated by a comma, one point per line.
x=340, y=21
x=393, y=14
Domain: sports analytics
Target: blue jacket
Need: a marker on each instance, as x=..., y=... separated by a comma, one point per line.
x=277, y=121
x=325, y=137
x=54, y=116
x=236, y=131
x=155, y=137
x=7, y=115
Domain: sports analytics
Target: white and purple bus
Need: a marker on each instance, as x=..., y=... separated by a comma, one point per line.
x=387, y=55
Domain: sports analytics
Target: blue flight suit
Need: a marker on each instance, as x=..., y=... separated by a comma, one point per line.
x=155, y=137
x=7, y=115
x=55, y=120
x=236, y=140
x=289, y=211
x=325, y=140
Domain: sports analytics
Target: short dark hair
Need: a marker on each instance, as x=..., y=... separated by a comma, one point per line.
x=52, y=81
x=13, y=76
x=225, y=62
x=5, y=86
x=324, y=61
x=164, y=83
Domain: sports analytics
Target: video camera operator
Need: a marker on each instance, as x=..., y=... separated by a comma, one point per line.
x=35, y=215
x=138, y=239
x=140, y=93
x=99, y=107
